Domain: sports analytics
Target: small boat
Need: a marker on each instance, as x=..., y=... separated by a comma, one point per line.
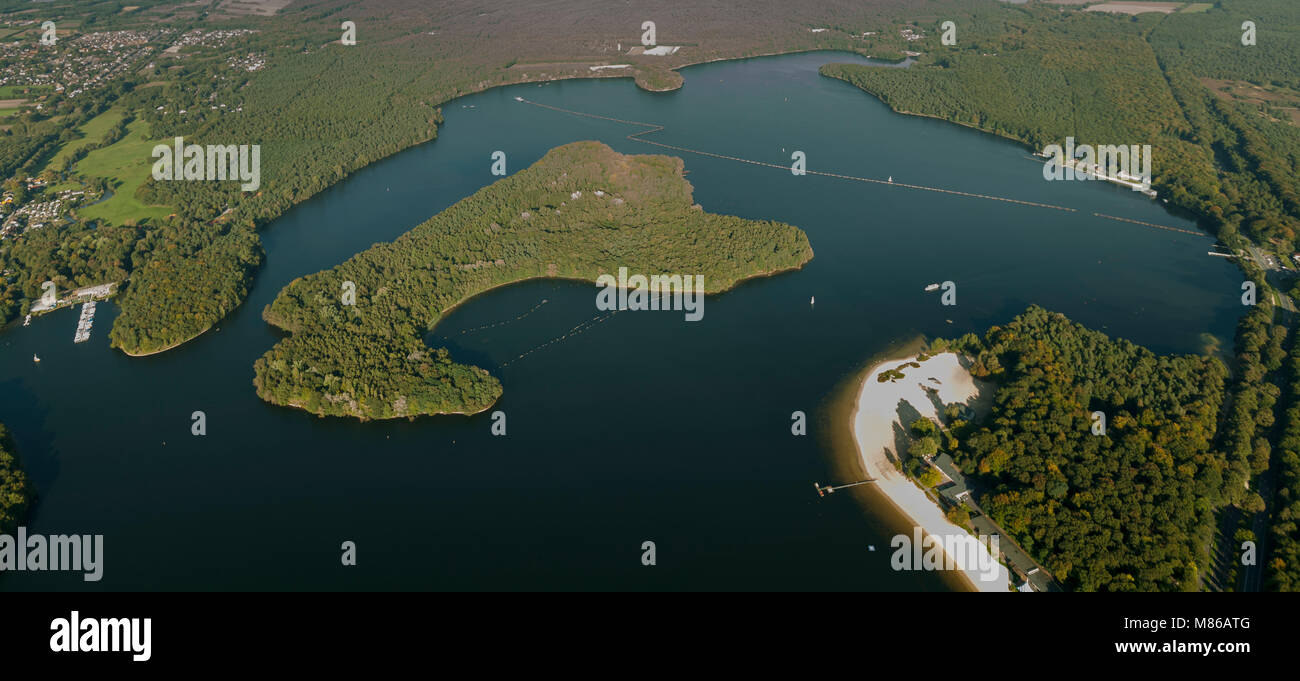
x=932, y=287
x=812, y=300
x=28, y=321
x=36, y=359
x=891, y=179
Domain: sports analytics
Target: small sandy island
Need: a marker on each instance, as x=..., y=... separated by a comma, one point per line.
x=875, y=418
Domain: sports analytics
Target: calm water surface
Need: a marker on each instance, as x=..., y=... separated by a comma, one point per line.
x=643, y=427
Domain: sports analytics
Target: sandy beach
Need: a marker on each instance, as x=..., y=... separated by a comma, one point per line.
x=875, y=418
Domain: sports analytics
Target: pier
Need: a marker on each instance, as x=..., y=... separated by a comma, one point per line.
x=83, y=325
x=830, y=489
x=1120, y=177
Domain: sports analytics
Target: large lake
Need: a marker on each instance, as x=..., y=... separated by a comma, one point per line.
x=643, y=427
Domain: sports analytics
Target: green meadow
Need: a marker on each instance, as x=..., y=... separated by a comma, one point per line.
x=91, y=132
x=126, y=165
x=20, y=91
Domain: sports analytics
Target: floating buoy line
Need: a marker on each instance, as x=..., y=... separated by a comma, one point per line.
x=651, y=128
x=504, y=321
x=576, y=330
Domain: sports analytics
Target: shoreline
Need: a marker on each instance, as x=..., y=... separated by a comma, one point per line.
x=871, y=426
x=677, y=69
x=173, y=346
x=442, y=315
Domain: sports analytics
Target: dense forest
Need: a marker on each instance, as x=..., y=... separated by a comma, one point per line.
x=15, y=492
x=1283, y=564
x=1247, y=424
x=1130, y=510
x=580, y=211
x=180, y=292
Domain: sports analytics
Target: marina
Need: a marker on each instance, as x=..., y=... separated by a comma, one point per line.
x=1100, y=172
x=85, y=323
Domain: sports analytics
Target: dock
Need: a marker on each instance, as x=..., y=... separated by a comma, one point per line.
x=1120, y=177
x=85, y=323
x=830, y=489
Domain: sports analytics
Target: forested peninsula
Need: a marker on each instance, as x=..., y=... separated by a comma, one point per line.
x=1126, y=508
x=581, y=211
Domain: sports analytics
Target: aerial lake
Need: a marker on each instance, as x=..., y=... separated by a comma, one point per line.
x=643, y=427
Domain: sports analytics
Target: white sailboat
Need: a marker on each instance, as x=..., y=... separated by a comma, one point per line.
x=932, y=287
x=36, y=359
x=891, y=179
x=812, y=300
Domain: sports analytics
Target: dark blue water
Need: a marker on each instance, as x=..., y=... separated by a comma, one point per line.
x=644, y=427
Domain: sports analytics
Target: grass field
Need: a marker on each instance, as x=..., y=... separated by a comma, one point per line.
x=7, y=112
x=126, y=165
x=1136, y=7
x=1197, y=7
x=92, y=132
x=21, y=91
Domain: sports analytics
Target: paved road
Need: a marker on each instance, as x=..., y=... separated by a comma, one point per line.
x=1279, y=278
